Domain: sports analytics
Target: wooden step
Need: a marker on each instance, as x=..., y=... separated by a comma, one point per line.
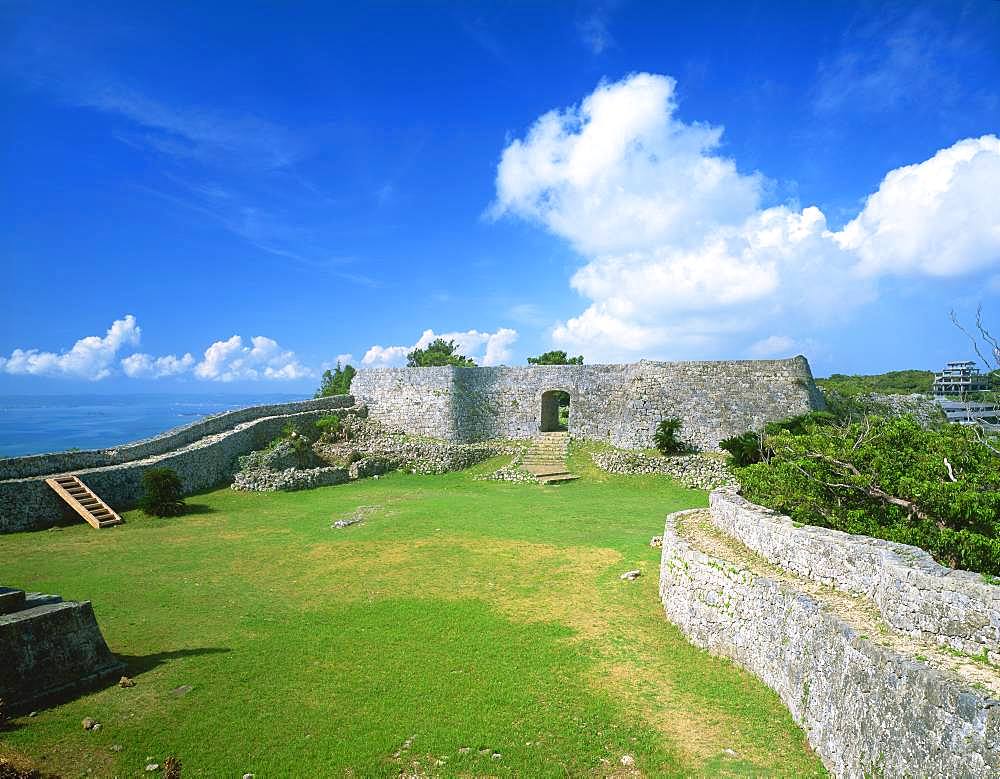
x=95, y=511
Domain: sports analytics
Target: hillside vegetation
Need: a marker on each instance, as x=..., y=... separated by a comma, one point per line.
x=891, y=383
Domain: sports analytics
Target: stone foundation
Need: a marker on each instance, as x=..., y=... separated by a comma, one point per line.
x=49, y=649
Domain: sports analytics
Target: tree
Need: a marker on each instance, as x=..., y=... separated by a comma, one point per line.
x=438, y=352
x=337, y=382
x=555, y=358
x=938, y=489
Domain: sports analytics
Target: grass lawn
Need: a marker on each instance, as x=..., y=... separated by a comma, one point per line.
x=465, y=628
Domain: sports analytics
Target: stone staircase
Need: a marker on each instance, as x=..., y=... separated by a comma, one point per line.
x=546, y=458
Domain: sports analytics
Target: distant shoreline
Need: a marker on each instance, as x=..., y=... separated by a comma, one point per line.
x=37, y=424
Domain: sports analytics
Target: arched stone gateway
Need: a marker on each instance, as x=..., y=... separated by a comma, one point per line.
x=551, y=403
x=621, y=404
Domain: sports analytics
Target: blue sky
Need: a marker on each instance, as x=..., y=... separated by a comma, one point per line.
x=231, y=199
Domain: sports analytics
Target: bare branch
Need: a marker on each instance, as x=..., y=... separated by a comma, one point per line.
x=873, y=490
x=988, y=336
x=951, y=473
x=975, y=341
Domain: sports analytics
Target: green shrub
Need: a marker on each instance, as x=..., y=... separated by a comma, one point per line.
x=801, y=423
x=162, y=493
x=330, y=426
x=336, y=382
x=744, y=448
x=666, y=437
x=557, y=357
x=888, y=478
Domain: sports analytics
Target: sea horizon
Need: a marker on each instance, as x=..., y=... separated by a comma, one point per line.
x=38, y=424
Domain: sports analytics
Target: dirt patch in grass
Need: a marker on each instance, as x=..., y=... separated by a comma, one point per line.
x=529, y=582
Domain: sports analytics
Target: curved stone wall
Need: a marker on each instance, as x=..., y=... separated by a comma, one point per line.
x=205, y=461
x=67, y=462
x=866, y=710
x=914, y=594
x=621, y=404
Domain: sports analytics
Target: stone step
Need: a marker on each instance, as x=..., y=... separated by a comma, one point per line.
x=11, y=600
x=548, y=469
x=556, y=478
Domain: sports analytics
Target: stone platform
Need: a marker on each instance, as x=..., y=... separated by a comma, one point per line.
x=49, y=649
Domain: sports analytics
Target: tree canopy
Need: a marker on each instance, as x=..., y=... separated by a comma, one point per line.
x=438, y=352
x=336, y=382
x=938, y=489
x=557, y=357
x=891, y=383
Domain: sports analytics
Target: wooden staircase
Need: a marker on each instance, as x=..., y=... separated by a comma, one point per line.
x=84, y=502
x=546, y=458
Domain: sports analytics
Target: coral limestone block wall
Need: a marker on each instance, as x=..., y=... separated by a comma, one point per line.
x=618, y=403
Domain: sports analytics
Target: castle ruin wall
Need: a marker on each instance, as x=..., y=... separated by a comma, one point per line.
x=621, y=404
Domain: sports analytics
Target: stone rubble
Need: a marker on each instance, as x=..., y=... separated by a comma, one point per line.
x=363, y=448
x=697, y=471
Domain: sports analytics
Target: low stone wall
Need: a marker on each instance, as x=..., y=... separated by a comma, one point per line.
x=70, y=462
x=697, y=471
x=49, y=648
x=866, y=710
x=28, y=503
x=914, y=594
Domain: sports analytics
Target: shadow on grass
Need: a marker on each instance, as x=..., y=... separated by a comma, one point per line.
x=140, y=664
x=134, y=666
x=198, y=508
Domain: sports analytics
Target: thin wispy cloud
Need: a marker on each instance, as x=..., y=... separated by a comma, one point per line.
x=238, y=170
x=593, y=26
x=901, y=59
x=260, y=228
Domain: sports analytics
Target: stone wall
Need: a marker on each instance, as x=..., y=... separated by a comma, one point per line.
x=866, y=710
x=69, y=462
x=914, y=594
x=621, y=404
x=207, y=460
x=50, y=648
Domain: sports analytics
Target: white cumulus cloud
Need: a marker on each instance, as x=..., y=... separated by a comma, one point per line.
x=231, y=360
x=90, y=358
x=96, y=358
x=680, y=252
x=145, y=366
x=484, y=348
x=940, y=217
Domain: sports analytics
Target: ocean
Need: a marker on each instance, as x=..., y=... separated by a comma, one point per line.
x=54, y=423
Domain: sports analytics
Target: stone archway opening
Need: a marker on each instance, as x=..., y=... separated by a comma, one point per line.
x=555, y=411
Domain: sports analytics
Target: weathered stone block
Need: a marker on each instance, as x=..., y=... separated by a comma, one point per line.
x=50, y=649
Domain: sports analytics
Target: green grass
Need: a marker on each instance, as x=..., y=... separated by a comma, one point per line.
x=467, y=617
